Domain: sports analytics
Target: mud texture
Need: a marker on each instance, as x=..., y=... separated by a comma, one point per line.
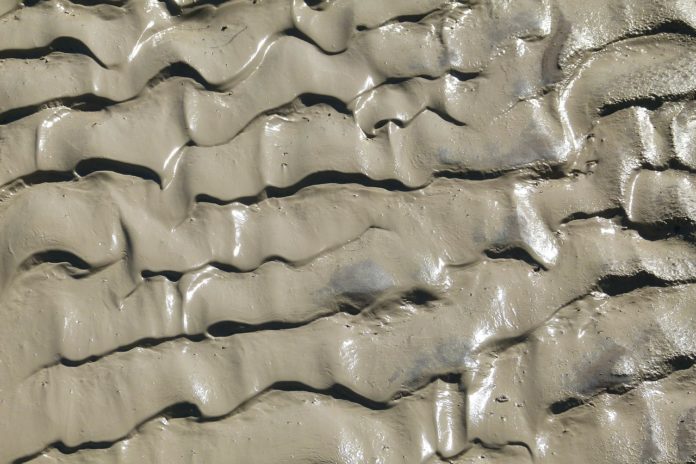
x=348, y=231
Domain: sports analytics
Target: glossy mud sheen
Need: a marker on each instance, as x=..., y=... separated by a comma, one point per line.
x=348, y=231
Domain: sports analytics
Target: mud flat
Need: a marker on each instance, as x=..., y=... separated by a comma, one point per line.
x=348, y=231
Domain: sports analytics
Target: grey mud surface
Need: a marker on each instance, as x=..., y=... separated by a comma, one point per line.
x=348, y=231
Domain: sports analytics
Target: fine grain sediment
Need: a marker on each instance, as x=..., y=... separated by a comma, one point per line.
x=348, y=231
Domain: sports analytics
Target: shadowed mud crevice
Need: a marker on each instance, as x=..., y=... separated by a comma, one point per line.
x=515, y=253
x=559, y=407
x=611, y=213
x=217, y=330
x=72, y=265
x=299, y=35
x=403, y=123
x=30, y=3
x=682, y=362
x=395, y=303
x=229, y=328
x=669, y=367
x=93, y=165
x=93, y=103
x=56, y=257
x=336, y=391
x=317, y=5
x=183, y=10
x=452, y=377
x=475, y=447
x=383, y=122
x=180, y=69
x=87, y=103
x=668, y=27
x=673, y=164
x=413, y=18
x=399, y=80
x=313, y=99
x=44, y=177
x=204, y=198
x=680, y=228
x=683, y=228
x=651, y=103
x=186, y=410
x=546, y=171
x=349, y=307
x=172, y=8
x=419, y=384
x=225, y=267
x=83, y=169
x=143, y=343
x=182, y=410
x=461, y=76
x=522, y=444
x=483, y=444
x=533, y=172
x=316, y=179
x=68, y=45
x=89, y=445
x=190, y=411
x=172, y=276
x=444, y=116
x=499, y=346
x=67, y=450
x=419, y=297
x=405, y=19
x=464, y=76
x=671, y=26
x=614, y=285
x=354, y=306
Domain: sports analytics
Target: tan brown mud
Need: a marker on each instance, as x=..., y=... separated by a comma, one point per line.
x=348, y=231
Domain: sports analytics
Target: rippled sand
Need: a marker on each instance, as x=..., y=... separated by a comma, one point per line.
x=348, y=231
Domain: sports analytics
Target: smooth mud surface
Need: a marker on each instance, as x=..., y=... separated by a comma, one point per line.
x=348, y=231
